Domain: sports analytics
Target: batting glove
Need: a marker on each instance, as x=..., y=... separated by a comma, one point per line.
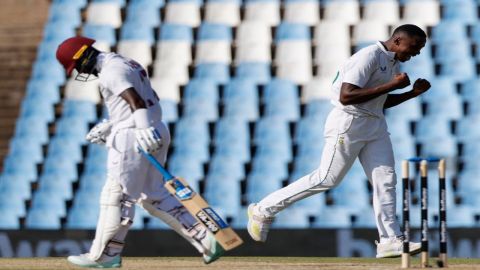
x=99, y=133
x=148, y=139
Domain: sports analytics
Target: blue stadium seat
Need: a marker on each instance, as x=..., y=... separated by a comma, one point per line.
x=407, y=111
x=235, y=148
x=398, y=127
x=260, y=184
x=319, y=108
x=217, y=72
x=475, y=34
x=212, y=31
x=42, y=89
x=459, y=69
x=333, y=217
x=101, y=33
x=120, y=2
x=421, y=66
x=172, y=32
x=232, y=128
x=56, y=187
x=96, y=153
x=217, y=186
x=49, y=69
x=203, y=110
x=23, y=166
x=58, y=32
x=92, y=182
x=287, y=109
x=258, y=72
x=154, y=4
x=468, y=128
x=223, y=165
x=291, y=218
x=137, y=31
x=352, y=191
x=365, y=219
x=9, y=221
x=241, y=89
x=73, y=128
x=275, y=150
x=309, y=130
x=201, y=89
x=193, y=150
x=282, y=90
x=64, y=148
x=470, y=90
x=50, y=201
x=92, y=167
x=188, y=168
x=42, y=220
x=424, y=130
x=191, y=129
x=462, y=216
x=446, y=149
x=77, y=3
x=272, y=129
x=449, y=30
x=15, y=189
x=304, y=165
x=403, y=147
x=169, y=110
x=292, y=31
x=81, y=217
x=144, y=13
x=55, y=165
x=46, y=50
x=87, y=198
x=65, y=13
x=462, y=50
x=464, y=11
x=467, y=179
x=28, y=147
x=12, y=206
x=39, y=109
x=270, y=165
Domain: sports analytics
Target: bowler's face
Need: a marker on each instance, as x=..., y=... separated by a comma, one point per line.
x=408, y=47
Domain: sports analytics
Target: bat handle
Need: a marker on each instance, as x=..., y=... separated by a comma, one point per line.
x=166, y=175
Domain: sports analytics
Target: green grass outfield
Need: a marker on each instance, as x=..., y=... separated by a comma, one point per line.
x=234, y=263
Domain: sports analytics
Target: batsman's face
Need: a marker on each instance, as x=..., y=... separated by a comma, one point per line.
x=408, y=47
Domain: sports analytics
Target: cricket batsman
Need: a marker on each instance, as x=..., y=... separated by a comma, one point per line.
x=356, y=127
x=135, y=123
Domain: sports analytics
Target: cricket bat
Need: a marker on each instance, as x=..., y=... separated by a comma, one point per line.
x=198, y=207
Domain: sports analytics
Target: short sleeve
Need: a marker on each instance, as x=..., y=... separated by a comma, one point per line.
x=359, y=69
x=117, y=80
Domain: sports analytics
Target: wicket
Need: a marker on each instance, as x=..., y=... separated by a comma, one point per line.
x=442, y=260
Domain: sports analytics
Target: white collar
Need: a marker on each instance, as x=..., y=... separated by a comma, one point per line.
x=390, y=55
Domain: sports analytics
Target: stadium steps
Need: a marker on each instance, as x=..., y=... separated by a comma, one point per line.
x=21, y=30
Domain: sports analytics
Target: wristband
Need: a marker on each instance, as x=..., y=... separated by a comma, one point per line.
x=140, y=116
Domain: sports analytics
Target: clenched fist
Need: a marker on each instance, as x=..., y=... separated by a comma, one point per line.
x=421, y=86
x=400, y=81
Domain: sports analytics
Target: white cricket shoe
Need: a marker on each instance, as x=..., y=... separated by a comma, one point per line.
x=394, y=248
x=258, y=224
x=213, y=250
x=83, y=260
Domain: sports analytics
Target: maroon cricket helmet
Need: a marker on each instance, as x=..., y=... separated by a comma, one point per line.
x=71, y=50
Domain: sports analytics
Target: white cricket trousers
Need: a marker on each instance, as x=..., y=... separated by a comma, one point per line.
x=346, y=138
